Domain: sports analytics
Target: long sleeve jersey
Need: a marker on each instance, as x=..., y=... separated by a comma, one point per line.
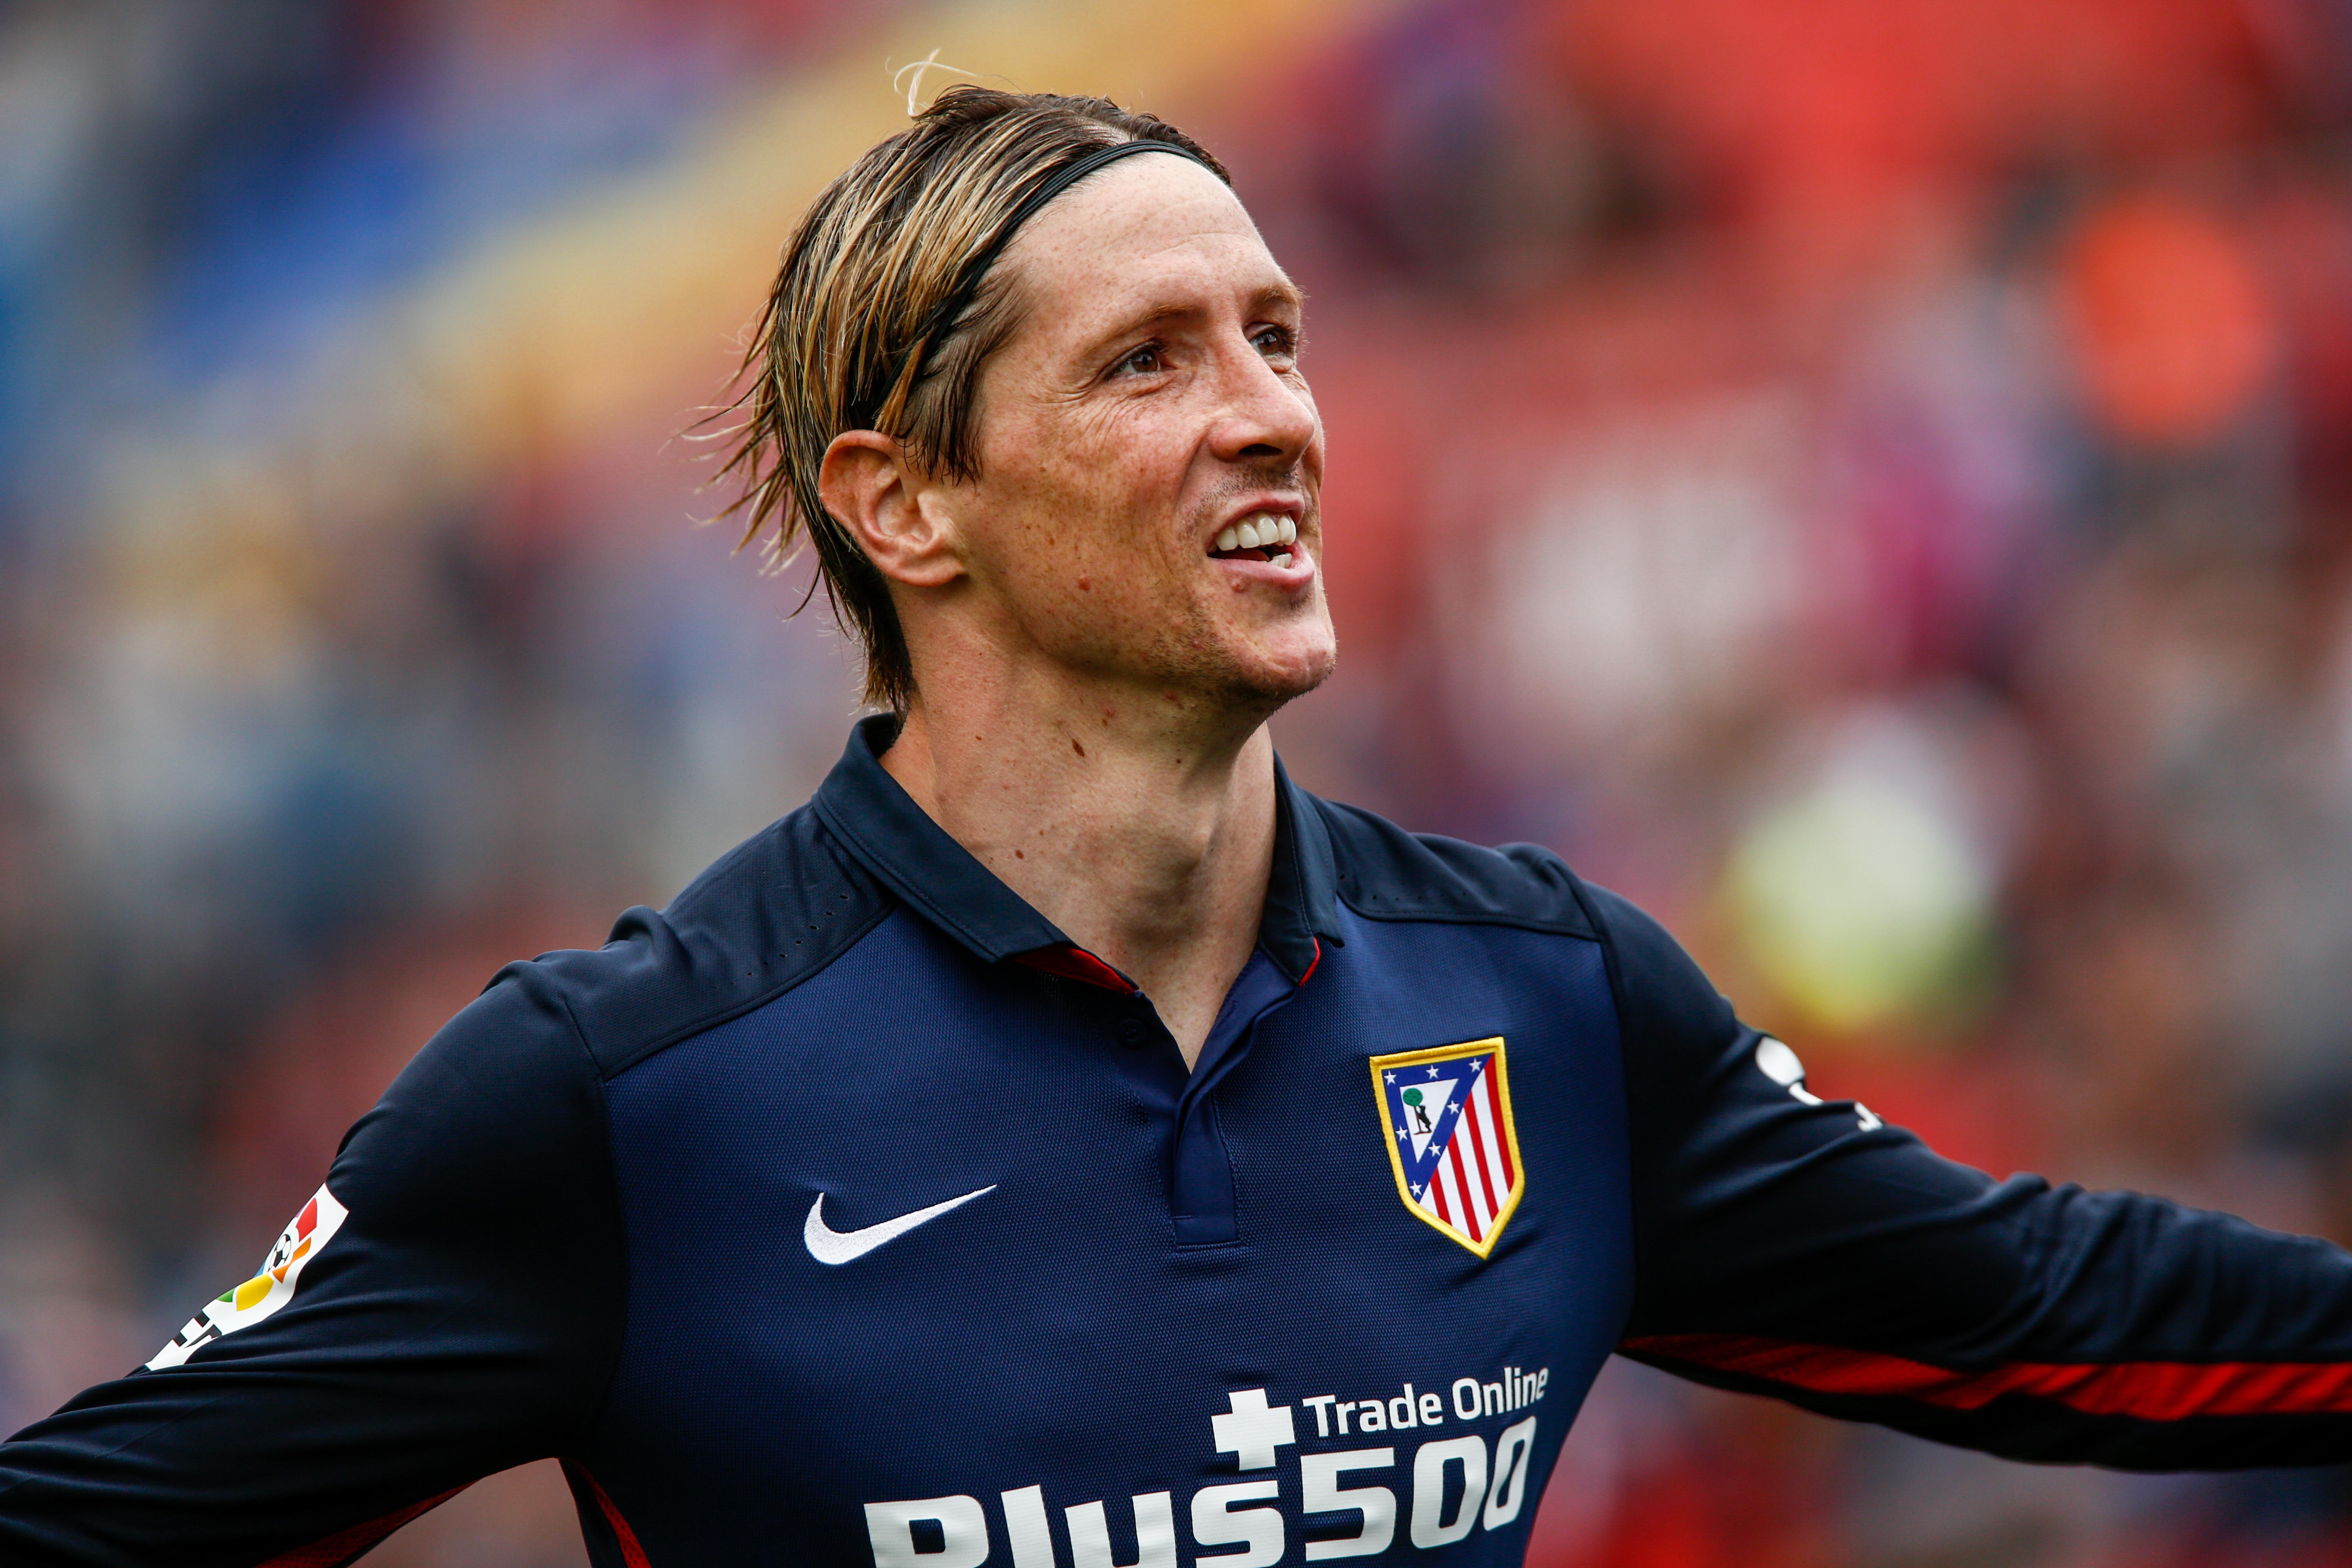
x=847, y=1213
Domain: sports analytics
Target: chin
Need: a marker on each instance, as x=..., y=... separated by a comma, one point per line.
x=1245, y=669
x=1270, y=677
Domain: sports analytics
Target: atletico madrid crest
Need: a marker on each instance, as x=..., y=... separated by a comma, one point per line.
x=1448, y=1115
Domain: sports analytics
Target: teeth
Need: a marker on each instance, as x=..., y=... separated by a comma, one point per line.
x=1259, y=531
x=1283, y=559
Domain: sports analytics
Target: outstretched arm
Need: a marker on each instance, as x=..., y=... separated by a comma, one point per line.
x=1802, y=1249
x=450, y=1309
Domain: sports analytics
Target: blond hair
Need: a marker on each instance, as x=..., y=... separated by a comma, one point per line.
x=853, y=338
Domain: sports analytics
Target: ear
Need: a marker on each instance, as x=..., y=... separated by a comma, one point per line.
x=899, y=521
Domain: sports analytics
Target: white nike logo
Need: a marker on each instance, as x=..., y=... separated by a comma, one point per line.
x=827, y=1245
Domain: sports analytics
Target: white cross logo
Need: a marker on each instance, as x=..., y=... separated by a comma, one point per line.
x=1252, y=1432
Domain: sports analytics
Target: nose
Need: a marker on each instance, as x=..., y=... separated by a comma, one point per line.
x=1266, y=415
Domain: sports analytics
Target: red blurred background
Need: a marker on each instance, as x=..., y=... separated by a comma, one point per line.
x=1872, y=481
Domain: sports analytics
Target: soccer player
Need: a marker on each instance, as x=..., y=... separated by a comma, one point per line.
x=1067, y=1144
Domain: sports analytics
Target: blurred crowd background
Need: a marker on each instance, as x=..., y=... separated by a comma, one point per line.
x=1870, y=480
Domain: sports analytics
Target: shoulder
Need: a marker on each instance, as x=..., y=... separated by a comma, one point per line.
x=522, y=1067
x=766, y=916
x=1384, y=873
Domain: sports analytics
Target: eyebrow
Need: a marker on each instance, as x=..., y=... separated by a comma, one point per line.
x=1286, y=292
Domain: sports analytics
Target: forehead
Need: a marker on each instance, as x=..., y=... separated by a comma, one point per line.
x=1135, y=231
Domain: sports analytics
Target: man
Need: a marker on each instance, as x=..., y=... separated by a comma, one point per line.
x=1064, y=1143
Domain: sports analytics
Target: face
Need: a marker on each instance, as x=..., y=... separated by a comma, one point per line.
x=1143, y=423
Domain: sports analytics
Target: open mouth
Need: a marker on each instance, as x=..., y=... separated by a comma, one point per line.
x=1261, y=536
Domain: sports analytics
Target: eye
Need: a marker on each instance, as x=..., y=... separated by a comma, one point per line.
x=1275, y=341
x=1147, y=359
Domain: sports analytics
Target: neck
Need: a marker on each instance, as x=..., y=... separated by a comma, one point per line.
x=1139, y=828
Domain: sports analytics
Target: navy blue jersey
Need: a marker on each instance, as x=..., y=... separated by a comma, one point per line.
x=847, y=1213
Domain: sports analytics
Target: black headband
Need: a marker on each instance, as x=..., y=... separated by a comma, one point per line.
x=967, y=282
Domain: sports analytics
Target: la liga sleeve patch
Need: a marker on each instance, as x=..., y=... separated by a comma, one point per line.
x=268, y=1289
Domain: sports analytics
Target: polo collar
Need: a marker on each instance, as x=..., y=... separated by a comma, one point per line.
x=1302, y=901
x=896, y=840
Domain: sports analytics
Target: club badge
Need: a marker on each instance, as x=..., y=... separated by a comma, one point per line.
x=1446, y=1112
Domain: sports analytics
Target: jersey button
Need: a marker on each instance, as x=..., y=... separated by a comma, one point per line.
x=1134, y=1034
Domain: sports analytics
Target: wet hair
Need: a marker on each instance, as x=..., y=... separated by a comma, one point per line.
x=889, y=302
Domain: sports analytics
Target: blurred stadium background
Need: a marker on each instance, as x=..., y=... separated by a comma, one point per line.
x=1870, y=479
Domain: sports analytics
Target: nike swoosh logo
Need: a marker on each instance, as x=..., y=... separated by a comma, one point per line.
x=837, y=1247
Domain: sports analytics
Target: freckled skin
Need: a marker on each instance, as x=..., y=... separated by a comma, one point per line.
x=1150, y=397
x=1113, y=480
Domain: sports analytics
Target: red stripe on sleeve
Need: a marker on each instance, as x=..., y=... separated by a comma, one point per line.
x=632, y=1554
x=346, y=1545
x=2147, y=1391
